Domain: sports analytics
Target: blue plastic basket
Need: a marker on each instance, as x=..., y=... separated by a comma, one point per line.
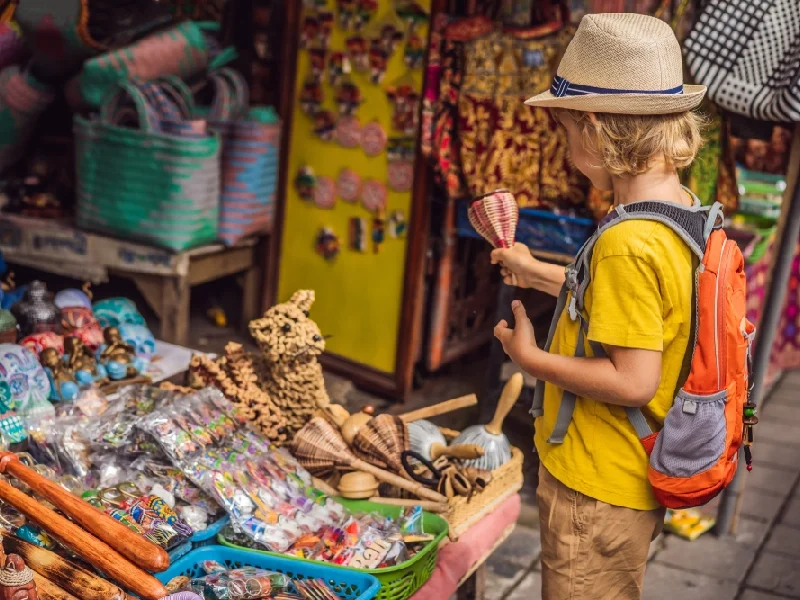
x=539, y=230
x=209, y=535
x=347, y=584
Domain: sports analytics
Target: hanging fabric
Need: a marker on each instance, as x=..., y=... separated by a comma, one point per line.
x=748, y=54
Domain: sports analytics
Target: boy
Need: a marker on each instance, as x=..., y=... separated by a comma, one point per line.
x=628, y=118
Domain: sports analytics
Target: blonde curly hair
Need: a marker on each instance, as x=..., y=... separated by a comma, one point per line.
x=627, y=143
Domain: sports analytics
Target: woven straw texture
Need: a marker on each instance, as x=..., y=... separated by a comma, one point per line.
x=624, y=52
x=381, y=441
x=142, y=183
x=319, y=448
x=495, y=217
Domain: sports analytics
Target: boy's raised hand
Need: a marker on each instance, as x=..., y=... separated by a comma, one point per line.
x=516, y=260
x=520, y=341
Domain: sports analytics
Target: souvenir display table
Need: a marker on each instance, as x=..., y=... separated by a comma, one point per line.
x=165, y=279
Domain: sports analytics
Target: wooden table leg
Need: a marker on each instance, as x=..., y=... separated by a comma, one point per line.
x=474, y=588
x=175, y=310
x=251, y=295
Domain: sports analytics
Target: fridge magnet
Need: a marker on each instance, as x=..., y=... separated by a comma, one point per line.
x=324, y=125
x=314, y=4
x=348, y=185
x=397, y=224
x=338, y=67
x=373, y=139
x=325, y=193
x=373, y=196
x=414, y=52
x=391, y=35
x=412, y=14
x=378, y=232
x=404, y=100
x=366, y=10
x=400, y=156
x=311, y=96
x=310, y=31
x=378, y=61
x=326, y=21
x=326, y=244
x=358, y=234
x=348, y=132
x=346, y=11
x=348, y=97
x=358, y=49
x=305, y=182
x=317, y=58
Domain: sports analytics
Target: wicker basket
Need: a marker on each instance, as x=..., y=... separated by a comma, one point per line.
x=506, y=481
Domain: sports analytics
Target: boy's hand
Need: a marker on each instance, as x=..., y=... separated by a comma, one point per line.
x=517, y=261
x=519, y=342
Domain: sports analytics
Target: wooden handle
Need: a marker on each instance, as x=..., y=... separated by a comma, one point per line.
x=461, y=451
x=63, y=573
x=440, y=409
x=95, y=552
x=131, y=545
x=397, y=481
x=511, y=391
x=47, y=590
x=426, y=505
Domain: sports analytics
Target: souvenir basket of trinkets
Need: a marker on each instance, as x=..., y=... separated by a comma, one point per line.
x=398, y=582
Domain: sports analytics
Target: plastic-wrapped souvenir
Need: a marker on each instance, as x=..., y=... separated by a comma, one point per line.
x=83, y=365
x=112, y=312
x=62, y=382
x=36, y=312
x=245, y=583
x=80, y=322
x=41, y=341
x=24, y=387
x=141, y=338
x=118, y=357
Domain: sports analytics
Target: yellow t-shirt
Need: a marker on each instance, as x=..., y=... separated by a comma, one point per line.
x=640, y=296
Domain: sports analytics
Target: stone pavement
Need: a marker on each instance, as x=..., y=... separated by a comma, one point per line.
x=760, y=562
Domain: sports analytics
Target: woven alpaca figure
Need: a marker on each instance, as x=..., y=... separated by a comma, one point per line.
x=291, y=374
x=234, y=375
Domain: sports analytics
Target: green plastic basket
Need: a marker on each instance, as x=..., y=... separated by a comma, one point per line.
x=398, y=582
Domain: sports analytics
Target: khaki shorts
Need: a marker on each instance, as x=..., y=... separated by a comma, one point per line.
x=591, y=550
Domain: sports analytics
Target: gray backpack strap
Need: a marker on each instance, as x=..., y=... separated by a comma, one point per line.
x=537, y=408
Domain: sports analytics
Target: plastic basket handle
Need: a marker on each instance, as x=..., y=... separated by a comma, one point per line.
x=111, y=106
x=231, y=95
x=179, y=93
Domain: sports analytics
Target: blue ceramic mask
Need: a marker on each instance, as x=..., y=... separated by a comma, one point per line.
x=24, y=386
x=140, y=337
x=72, y=298
x=113, y=312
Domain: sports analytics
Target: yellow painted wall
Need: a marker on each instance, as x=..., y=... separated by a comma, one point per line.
x=359, y=295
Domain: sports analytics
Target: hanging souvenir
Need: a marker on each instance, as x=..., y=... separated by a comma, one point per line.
x=327, y=244
x=366, y=10
x=358, y=234
x=305, y=182
x=373, y=139
x=412, y=14
x=346, y=11
x=348, y=98
x=414, y=52
x=314, y=4
x=404, y=99
x=326, y=21
x=378, y=61
x=358, y=49
x=338, y=67
x=317, y=57
x=391, y=34
x=310, y=31
x=324, y=125
x=311, y=96
x=400, y=155
x=397, y=224
x=325, y=193
x=373, y=196
x=348, y=132
x=378, y=232
x=348, y=185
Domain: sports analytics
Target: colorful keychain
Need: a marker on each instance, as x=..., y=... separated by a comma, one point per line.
x=373, y=196
x=348, y=185
x=325, y=193
x=304, y=183
x=348, y=132
x=373, y=139
x=324, y=125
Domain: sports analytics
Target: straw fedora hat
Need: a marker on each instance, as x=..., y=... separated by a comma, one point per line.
x=621, y=63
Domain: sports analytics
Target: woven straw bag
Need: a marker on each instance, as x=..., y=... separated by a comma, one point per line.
x=250, y=152
x=142, y=182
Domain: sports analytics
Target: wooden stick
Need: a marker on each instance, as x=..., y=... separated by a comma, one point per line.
x=131, y=545
x=431, y=507
x=440, y=409
x=462, y=451
x=47, y=590
x=96, y=553
x=397, y=481
x=60, y=571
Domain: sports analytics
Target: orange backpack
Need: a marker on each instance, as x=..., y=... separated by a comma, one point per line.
x=695, y=454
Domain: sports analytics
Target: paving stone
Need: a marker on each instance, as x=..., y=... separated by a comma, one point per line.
x=776, y=573
x=784, y=539
x=725, y=558
x=784, y=412
x=529, y=588
x=776, y=431
x=512, y=560
x=777, y=480
x=751, y=594
x=765, y=452
x=791, y=516
x=662, y=582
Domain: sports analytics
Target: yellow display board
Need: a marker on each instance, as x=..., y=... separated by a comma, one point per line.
x=359, y=294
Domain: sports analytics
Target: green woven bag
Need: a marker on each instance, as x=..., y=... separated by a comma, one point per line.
x=142, y=184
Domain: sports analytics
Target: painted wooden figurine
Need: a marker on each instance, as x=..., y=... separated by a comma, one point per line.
x=119, y=358
x=83, y=365
x=62, y=382
x=16, y=580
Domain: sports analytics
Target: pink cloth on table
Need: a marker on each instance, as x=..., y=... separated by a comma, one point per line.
x=457, y=558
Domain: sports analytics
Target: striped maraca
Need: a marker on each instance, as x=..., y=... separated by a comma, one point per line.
x=495, y=217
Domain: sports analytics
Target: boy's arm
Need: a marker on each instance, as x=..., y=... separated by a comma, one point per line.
x=628, y=377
